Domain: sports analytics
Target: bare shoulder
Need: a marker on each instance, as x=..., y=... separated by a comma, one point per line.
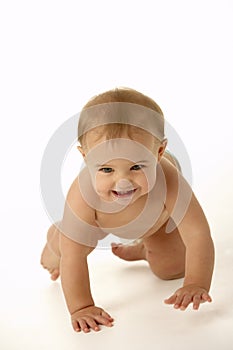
x=179, y=192
x=77, y=238
x=77, y=200
x=172, y=178
x=78, y=226
x=181, y=202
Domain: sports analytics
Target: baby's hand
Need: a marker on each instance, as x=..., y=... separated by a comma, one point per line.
x=187, y=295
x=89, y=318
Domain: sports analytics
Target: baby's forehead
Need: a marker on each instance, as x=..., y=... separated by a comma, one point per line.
x=110, y=132
x=119, y=148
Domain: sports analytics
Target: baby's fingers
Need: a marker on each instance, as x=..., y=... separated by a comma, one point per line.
x=170, y=300
x=198, y=299
x=104, y=321
x=206, y=297
x=196, y=302
x=106, y=315
x=186, y=301
x=83, y=325
x=76, y=326
x=178, y=301
x=92, y=324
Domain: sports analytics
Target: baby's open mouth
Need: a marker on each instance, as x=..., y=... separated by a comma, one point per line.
x=123, y=194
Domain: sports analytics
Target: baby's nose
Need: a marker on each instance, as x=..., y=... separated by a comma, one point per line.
x=123, y=184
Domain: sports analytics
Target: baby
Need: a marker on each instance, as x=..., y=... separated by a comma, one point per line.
x=133, y=188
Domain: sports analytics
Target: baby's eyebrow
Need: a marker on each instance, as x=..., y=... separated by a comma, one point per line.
x=142, y=161
x=102, y=165
x=110, y=166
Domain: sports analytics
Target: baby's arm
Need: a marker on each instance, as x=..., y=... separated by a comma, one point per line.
x=76, y=287
x=74, y=274
x=78, y=220
x=195, y=233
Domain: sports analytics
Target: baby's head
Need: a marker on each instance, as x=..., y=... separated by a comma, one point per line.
x=122, y=113
x=121, y=129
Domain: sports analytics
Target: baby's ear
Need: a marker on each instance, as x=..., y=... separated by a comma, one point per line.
x=81, y=151
x=161, y=149
x=164, y=143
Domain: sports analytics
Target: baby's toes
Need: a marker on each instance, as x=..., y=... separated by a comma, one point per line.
x=118, y=251
x=54, y=274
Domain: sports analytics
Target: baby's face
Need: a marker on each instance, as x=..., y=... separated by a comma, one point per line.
x=122, y=180
x=122, y=169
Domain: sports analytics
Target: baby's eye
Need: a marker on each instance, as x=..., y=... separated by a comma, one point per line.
x=137, y=167
x=106, y=170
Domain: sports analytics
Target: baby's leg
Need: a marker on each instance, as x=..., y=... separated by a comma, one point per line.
x=130, y=252
x=50, y=258
x=165, y=253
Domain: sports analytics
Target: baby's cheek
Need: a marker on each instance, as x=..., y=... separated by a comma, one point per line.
x=100, y=183
x=149, y=179
x=95, y=180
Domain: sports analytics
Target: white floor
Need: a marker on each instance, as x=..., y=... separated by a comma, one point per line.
x=33, y=313
x=181, y=55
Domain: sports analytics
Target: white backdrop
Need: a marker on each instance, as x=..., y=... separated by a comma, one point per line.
x=55, y=55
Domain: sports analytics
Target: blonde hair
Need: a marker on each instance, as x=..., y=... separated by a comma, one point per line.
x=121, y=94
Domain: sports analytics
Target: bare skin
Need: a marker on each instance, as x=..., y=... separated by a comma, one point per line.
x=87, y=317
x=160, y=251
x=166, y=257
x=50, y=258
x=187, y=252
x=148, y=249
x=132, y=252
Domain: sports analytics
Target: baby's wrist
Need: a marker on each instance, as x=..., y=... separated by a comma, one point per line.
x=74, y=310
x=199, y=284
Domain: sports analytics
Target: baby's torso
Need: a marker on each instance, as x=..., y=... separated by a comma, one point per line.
x=133, y=222
x=139, y=219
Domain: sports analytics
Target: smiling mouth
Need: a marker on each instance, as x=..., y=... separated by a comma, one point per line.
x=124, y=194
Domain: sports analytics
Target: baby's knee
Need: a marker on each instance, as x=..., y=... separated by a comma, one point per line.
x=165, y=269
x=166, y=276
x=53, y=239
x=52, y=232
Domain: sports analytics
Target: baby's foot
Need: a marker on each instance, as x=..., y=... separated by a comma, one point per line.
x=50, y=261
x=130, y=252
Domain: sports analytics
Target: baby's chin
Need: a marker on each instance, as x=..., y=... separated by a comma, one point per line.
x=121, y=197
